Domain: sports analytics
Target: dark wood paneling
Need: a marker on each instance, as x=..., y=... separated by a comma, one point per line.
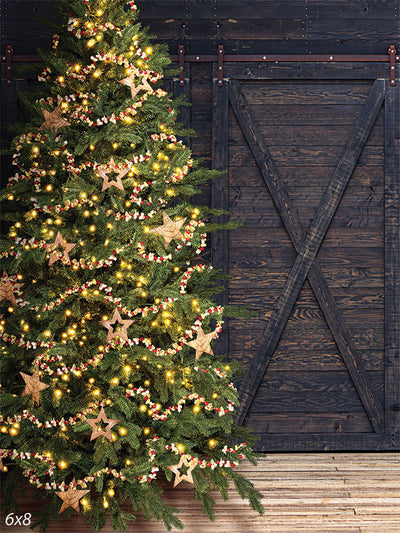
x=305, y=422
x=219, y=193
x=307, y=71
x=392, y=261
x=270, y=9
x=276, y=276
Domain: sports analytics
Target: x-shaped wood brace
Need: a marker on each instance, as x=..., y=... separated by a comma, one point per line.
x=307, y=246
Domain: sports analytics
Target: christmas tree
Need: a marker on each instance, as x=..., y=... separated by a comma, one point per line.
x=109, y=377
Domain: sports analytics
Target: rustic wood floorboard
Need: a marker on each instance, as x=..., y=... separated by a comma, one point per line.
x=303, y=493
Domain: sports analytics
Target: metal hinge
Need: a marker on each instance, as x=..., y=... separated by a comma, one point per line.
x=8, y=59
x=221, y=53
x=392, y=68
x=181, y=58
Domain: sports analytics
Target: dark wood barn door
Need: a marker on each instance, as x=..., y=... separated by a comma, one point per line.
x=312, y=152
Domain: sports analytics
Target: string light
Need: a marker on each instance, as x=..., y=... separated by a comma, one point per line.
x=49, y=187
x=128, y=462
x=212, y=443
x=122, y=431
x=111, y=492
x=91, y=42
x=63, y=465
x=58, y=393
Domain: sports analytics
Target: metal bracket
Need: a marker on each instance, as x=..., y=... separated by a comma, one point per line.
x=181, y=57
x=392, y=68
x=8, y=59
x=221, y=53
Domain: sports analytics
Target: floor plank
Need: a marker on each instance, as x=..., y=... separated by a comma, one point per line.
x=303, y=493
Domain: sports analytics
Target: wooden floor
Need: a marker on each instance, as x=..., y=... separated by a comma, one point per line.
x=303, y=493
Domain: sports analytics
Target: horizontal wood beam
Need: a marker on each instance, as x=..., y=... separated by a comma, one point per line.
x=258, y=58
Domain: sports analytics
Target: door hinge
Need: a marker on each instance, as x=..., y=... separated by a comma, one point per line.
x=392, y=61
x=221, y=53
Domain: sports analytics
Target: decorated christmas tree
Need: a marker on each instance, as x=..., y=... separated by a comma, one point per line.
x=110, y=383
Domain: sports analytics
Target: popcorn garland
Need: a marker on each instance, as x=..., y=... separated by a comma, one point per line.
x=198, y=400
x=201, y=463
x=130, y=393
x=116, y=59
x=187, y=275
x=177, y=346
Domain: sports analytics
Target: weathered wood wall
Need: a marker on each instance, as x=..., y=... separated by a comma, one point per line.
x=305, y=113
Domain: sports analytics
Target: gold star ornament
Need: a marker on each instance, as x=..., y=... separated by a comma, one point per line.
x=178, y=475
x=55, y=255
x=33, y=385
x=53, y=119
x=117, y=182
x=170, y=229
x=71, y=498
x=122, y=333
x=97, y=430
x=202, y=343
x=7, y=288
x=130, y=82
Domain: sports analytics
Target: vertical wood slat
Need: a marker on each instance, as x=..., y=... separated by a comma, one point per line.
x=306, y=256
x=219, y=193
x=392, y=260
x=185, y=116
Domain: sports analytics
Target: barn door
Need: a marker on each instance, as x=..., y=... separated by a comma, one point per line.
x=312, y=152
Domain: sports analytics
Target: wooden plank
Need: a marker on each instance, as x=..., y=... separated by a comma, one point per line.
x=317, y=93
x=219, y=194
x=299, y=155
x=276, y=277
x=269, y=9
x=323, y=114
x=323, y=442
x=322, y=71
x=259, y=298
x=364, y=217
x=392, y=260
x=310, y=247
x=335, y=237
x=298, y=135
x=249, y=174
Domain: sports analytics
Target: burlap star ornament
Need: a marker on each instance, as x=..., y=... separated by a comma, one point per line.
x=53, y=119
x=130, y=82
x=7, y=288
x=122, y=333
x=103, y=173
x=97, y=431
x=33, y=385
x=202, y=343
x=66, y=246
x=71, y=498
x=170, y=229
x=178, y=475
